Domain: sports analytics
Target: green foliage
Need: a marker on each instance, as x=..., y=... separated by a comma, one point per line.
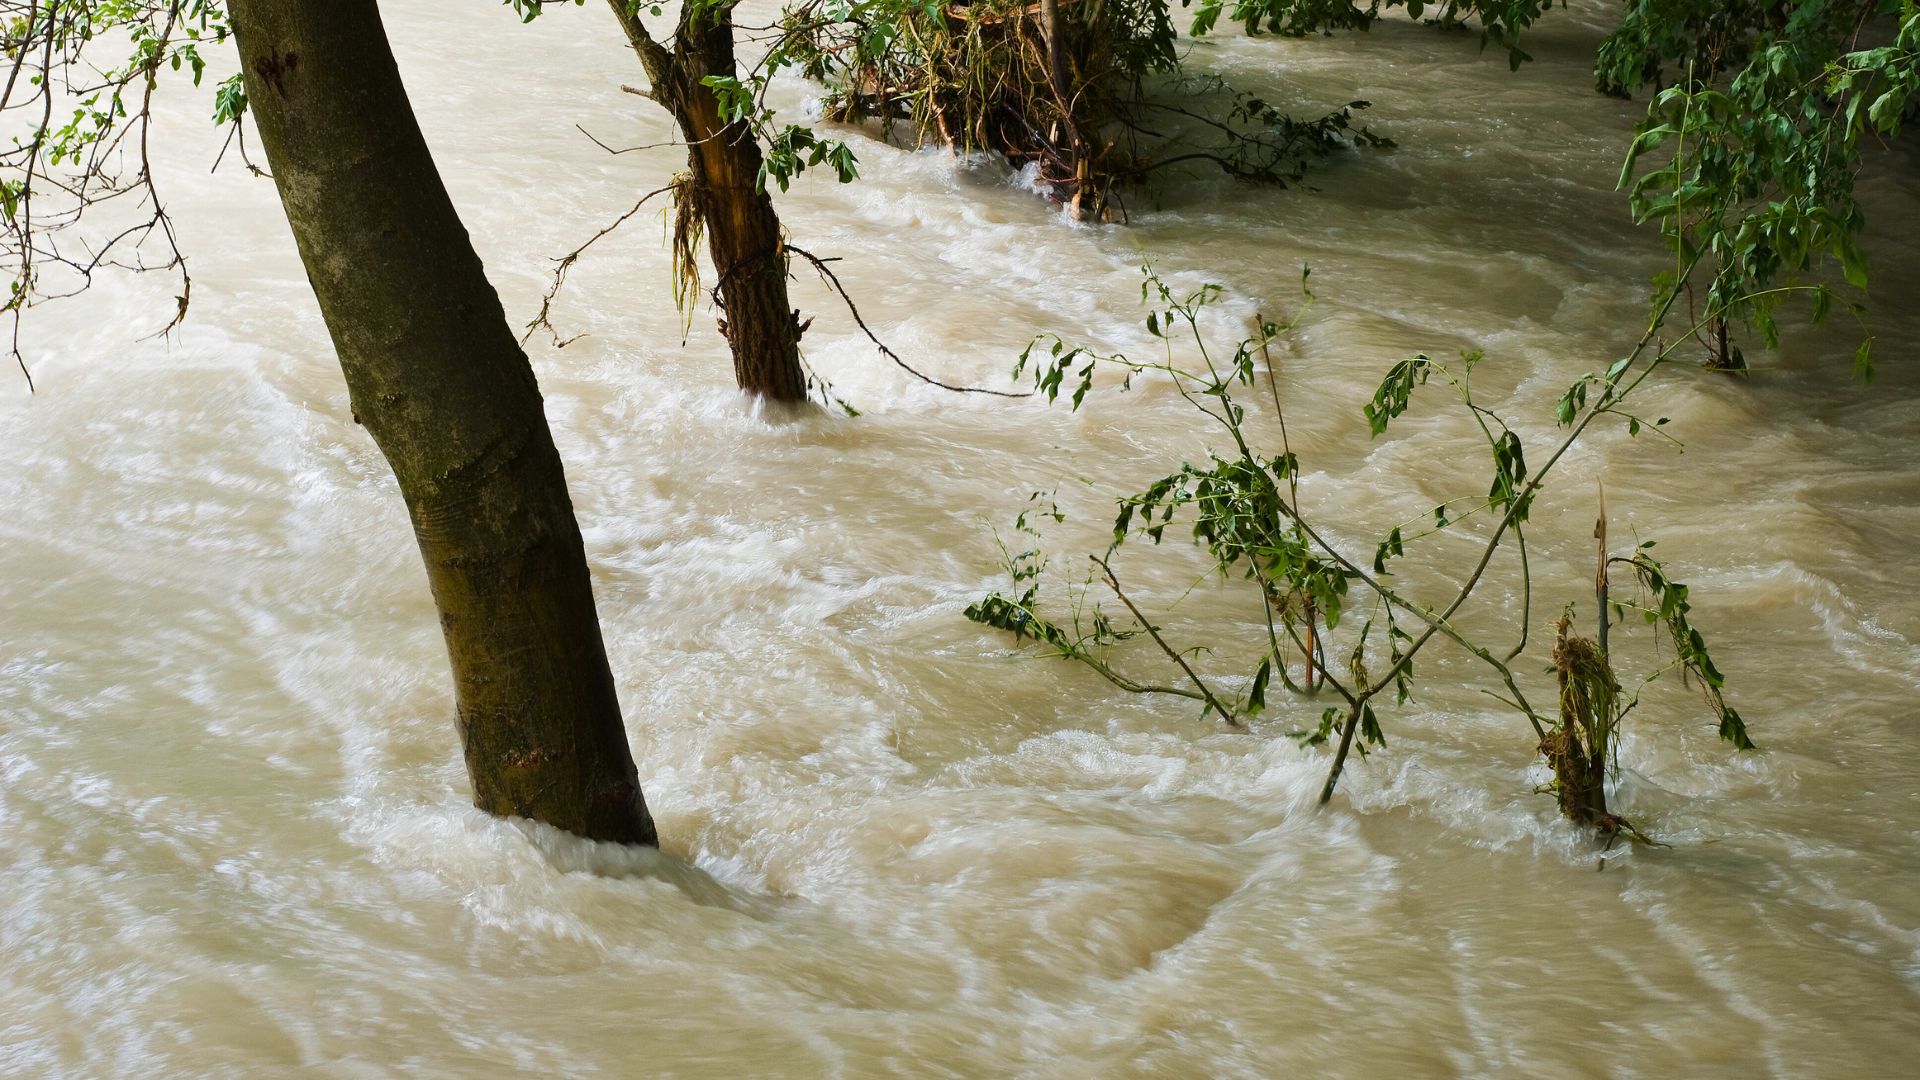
x=1756, y=172
x=1395, y=392
x=1751, y=143
x=159, y=36
x=230, y=100
x=788, y=149
x=1661, y=39
x=1668, y=607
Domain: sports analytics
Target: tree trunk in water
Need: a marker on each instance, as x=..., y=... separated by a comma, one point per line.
x=439, y=381
x=743, y=232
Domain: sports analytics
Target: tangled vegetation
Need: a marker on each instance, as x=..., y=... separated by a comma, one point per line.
x=1090, y=95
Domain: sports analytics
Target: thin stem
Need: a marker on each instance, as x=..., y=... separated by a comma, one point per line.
x=1600, y=575
x=1346, y=743
x=1114, y=583
x=827, y=275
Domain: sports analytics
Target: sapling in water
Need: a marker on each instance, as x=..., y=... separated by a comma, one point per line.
x=1244, y=507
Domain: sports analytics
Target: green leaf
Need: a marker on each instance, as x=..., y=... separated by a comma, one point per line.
x=1733, y=729
x=1370, y=727
x=1395, y=391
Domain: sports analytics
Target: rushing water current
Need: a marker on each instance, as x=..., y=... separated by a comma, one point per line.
x=235, y=837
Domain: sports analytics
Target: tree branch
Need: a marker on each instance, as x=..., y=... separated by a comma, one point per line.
x=1213, y=702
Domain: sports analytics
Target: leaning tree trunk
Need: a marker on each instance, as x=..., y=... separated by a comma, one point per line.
x=743, y=232
x=437, y=378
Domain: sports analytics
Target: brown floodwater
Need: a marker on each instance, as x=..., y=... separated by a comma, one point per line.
x=235, y=838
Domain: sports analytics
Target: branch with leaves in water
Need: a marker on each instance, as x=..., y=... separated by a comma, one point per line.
x=1243, y=506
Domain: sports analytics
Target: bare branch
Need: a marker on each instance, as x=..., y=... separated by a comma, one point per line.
x=566, y=263
x=828, y=275
x=1212, y=702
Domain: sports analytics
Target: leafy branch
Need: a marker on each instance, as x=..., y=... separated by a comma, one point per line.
x=1243, y=508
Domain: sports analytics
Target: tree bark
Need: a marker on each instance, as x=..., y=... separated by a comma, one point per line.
x=743, y=231
x=1056, y=49
x=439, y=381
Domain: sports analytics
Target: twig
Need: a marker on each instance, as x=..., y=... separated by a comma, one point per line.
x=623, y=150
x=1600, y=576
x=1346, y=743
x=566, y=263
x=1114, y=584
x=828, y=275
x=1312, y=645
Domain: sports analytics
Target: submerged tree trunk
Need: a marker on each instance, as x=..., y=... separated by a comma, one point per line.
x=438, y=380
x=743, y=231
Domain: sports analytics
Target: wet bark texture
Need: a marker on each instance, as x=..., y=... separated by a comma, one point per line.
x=439, y=381
x=743, y=231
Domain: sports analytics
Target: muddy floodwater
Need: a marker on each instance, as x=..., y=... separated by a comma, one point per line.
x=235, y=837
